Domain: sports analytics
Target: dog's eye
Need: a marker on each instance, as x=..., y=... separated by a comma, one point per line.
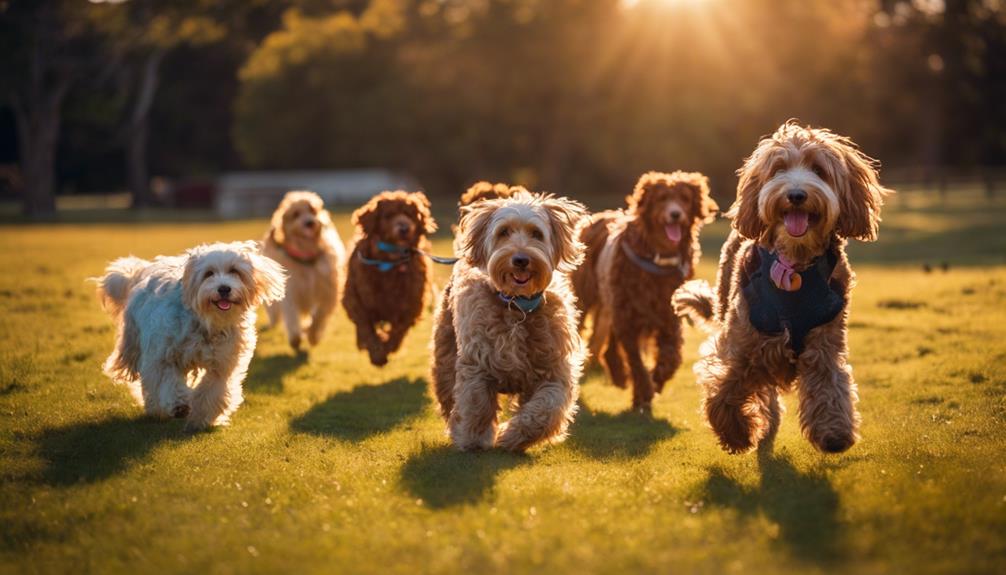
x=818, y=171
x=208, y=275
x=505, y=232
x=233, y=271
x=776, y=169
x=536, y=234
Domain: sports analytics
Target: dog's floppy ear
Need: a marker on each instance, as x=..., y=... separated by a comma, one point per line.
x=365, y=218
x=276, y=231
x=472, y=231
x=269, y=278
x=637, y=202
x=704, y=208
x=752, y=176
x=860, y=196
x=324, y=218
x=426, y=221
x=192, y=278
x=566, y=217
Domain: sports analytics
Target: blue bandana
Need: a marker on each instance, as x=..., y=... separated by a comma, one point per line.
x=524, y=304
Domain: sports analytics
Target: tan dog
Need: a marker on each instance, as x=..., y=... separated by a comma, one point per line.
x=781, y=305
x=635, y=260
x=388, y=281
x=303, y=239
x=515, y=323
x=444, y=339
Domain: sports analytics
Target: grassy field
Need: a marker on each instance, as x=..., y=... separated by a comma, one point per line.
x=334, y=466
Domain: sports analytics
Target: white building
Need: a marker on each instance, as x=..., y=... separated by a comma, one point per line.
x=255, y=194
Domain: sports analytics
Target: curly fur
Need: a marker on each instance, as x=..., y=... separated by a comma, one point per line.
x=186, y=327
x=385, y=305
x=444, y=340
x=303, y=239
x=491, y=348
x=630, y=306
x=743, y=370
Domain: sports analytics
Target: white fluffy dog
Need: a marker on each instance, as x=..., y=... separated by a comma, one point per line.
x=303, y=239
x=186, y=321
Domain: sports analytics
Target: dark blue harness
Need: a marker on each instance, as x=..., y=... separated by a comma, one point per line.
x=773, y=310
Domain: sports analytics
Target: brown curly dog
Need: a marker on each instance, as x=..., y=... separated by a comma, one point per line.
x=388, y=281
x=779, y=313
x=515, y=323
x=635, y=260
x=443, y=340
x=303, y=239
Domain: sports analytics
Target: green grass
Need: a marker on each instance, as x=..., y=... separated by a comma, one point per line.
x=332, y=465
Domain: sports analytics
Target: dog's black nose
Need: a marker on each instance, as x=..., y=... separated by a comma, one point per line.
x=224, y=290
x=675, y=216
x=520, y=261
x=309, y=224
x=796, y=197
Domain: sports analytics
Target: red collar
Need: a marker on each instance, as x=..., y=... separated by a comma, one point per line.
x=307, y=258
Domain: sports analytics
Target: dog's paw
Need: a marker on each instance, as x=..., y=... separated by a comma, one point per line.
x=294, y=341
x=473, y=441
x=835, y=443
x=180, y=411
x=313, y=336
x=379, y=359
x=195, y=426
x=510, y=439
x=644, y=409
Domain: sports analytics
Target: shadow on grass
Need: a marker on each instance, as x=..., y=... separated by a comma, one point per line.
x=624, y=435
x=366, y=410
x=803, y=505
x=445, y=477
x=93, y=451
x=265, y=374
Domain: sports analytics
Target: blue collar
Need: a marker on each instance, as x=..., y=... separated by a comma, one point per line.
x=525, y=304
x=392, y=248
x=387, y=265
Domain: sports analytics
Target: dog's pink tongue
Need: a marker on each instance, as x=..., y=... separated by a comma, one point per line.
x=796, y=223
x=673, y=232
x=224, y=305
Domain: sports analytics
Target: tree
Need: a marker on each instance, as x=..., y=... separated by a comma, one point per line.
x=139, y=33
x=46, y=46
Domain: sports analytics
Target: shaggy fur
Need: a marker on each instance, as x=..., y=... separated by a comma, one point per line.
x=186, y=327
x=631, y=306
x=519, y=246
x=822, y=180
x=384, y=305
x=303, y=239
x=444, y=341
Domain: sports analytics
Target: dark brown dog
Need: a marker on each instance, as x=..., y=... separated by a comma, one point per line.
x=779, y=313
x=634, y=262
x=388, y=282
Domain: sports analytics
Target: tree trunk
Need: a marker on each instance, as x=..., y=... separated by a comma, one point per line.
x=37, y=130
x=38, y=122
x=138, y=132
x=137, y=176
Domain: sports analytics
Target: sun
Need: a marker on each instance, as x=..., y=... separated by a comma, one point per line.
x=668, y=3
